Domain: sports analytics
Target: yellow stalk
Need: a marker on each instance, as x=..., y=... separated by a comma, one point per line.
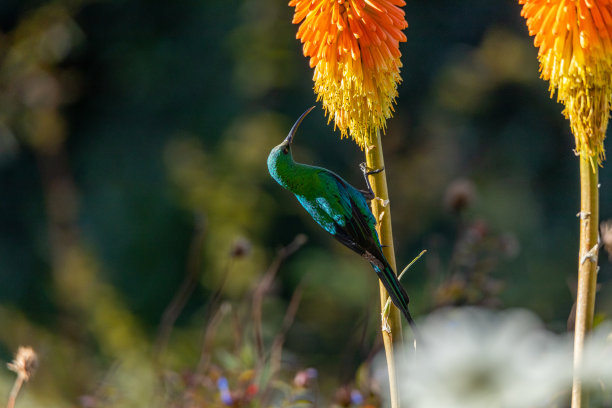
x=587, y=269
x=382, y=211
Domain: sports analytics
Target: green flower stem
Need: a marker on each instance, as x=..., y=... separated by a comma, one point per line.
x=382, y=211
x=587, y=269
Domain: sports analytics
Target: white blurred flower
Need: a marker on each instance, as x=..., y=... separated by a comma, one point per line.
x=472, y=358
x=596, y=368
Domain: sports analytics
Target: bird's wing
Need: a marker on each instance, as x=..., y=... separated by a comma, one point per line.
x=355, y=228
x=353, y=217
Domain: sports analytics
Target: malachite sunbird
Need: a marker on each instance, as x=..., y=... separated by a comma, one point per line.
x=341, y=209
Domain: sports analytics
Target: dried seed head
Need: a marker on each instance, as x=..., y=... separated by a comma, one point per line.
x=460, y=194
x=25, y=362
x=241, y=248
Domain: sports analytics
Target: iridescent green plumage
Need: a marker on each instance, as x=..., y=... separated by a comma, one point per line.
x=341, y=209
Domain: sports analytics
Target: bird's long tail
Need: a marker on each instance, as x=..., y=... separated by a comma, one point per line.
x=394, y=288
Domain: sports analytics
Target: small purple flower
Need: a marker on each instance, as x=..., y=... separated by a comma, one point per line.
x=356, y=397
x=223, y=385
x=312, y=373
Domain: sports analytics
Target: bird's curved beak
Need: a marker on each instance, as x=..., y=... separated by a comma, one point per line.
x=289, y=139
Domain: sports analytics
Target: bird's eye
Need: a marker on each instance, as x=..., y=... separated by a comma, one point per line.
x=286, y=150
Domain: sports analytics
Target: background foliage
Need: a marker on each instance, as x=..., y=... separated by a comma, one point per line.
x=133, y=143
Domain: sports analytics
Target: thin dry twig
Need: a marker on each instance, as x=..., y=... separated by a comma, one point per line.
x=216, y=314
x=209, y=334
x=264, y=286
x=24, y=365
x=279, y=340
x=182, y=295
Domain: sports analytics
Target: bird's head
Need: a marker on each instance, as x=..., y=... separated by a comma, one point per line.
x=282, y=152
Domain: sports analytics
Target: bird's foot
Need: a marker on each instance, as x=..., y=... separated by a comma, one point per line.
x=369, y=193
x=363, y=167
x=368, y=171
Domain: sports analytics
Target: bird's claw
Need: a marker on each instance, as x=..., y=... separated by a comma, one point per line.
x=367, y=171
x=370, y=172
x=369, y=193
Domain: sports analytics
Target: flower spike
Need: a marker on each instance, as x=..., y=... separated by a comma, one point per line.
x=575, y=53
x=353, y=47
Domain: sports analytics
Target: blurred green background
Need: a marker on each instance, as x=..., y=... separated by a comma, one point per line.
x=133, y=145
